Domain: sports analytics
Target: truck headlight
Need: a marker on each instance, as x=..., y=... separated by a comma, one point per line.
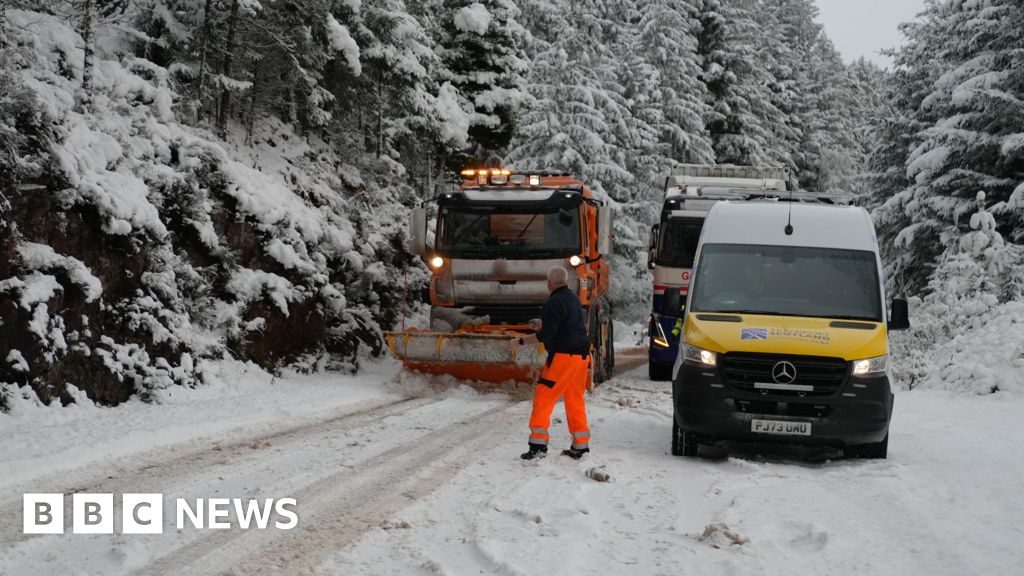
x=575, y=260
x=699, y=356
x=870, y=366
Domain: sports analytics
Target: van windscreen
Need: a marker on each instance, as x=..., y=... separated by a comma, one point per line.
x=787, y=281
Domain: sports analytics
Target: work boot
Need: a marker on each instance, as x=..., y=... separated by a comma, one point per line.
x=536, y=451
x=575, y=453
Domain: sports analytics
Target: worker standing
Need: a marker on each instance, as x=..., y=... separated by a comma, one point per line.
x=563, y=331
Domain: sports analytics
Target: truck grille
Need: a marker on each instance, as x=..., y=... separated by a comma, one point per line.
x=743, y=371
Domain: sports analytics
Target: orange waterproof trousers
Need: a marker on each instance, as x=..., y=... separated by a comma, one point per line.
x=564, y=377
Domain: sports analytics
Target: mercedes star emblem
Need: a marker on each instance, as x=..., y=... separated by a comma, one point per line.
x=784, y=372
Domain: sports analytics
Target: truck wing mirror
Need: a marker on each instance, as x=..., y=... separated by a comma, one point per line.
x=672, y=303
x=652, y=245
x=604, y=231
x=899, y=317
x=418, y=232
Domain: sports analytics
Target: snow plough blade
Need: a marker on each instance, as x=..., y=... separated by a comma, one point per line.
x=470, y=353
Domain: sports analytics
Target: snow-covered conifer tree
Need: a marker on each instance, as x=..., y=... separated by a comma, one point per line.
x=737, y=85
x=482, y=48
x=971, y=140
x=666, y=53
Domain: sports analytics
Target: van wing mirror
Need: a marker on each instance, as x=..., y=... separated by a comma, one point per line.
x=672, y=302
x=899, y=315
x=418, y=232
x=604, y=231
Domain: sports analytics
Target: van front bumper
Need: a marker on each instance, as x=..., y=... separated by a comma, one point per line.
x=857, y=413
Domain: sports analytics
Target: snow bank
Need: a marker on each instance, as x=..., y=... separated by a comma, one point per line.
x=967, y=333
x=981, y=356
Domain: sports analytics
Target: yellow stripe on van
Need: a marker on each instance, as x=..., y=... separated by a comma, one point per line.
x=786, y=335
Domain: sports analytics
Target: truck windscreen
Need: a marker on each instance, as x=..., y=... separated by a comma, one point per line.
x=488, y=232
x=677, y=242
x=787, y=281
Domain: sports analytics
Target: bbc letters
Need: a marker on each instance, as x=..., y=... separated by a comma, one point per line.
x=144, y=513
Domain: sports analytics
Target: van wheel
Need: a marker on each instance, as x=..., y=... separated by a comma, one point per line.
x=683, y=443
x=877, y=451
x=659, y=372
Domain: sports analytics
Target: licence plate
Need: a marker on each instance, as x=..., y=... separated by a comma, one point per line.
x=780, y=427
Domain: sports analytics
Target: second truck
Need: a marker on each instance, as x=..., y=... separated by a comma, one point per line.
x=496, y=237
x=690, y=192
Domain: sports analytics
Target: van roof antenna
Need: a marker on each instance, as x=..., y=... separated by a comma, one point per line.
x=789, y=221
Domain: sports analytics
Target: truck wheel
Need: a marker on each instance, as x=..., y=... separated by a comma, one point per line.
x=598, y=360
x=877, y=451
x=659, y=372
x=609, y=351
x=683, y=443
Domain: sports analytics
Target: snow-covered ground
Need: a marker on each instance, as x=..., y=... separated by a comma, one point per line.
x=395, y=474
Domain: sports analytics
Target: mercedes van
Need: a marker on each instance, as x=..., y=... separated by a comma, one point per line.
x=785, y=331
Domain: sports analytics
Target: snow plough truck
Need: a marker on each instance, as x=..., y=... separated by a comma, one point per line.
x=497, y=235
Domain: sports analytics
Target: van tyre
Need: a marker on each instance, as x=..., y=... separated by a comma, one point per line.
x=683, y=443
x=659, y=372
x=877, y=451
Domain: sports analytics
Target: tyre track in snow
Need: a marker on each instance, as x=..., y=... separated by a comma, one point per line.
x=330, y=517
x=155, y=471
x=338, y=509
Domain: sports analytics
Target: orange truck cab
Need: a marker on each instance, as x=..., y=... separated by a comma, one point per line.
x=496, y=237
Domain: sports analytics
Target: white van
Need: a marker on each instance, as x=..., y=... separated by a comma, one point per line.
x=785, y=336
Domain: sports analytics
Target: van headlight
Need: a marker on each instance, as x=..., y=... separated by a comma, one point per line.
x=870, y=367
x=699, y=356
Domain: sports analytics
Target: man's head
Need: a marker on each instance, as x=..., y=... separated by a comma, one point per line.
x=557, y=277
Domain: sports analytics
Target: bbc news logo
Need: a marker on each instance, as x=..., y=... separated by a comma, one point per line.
x=144, y=513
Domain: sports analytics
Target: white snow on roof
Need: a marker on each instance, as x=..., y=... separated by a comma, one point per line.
x=473, y=18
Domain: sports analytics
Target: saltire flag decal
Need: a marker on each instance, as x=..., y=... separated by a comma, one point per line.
x=754, y=334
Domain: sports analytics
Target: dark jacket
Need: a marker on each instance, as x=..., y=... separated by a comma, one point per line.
x=564, y=325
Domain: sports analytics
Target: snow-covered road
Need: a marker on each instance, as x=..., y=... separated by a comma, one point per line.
x=394, y=476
